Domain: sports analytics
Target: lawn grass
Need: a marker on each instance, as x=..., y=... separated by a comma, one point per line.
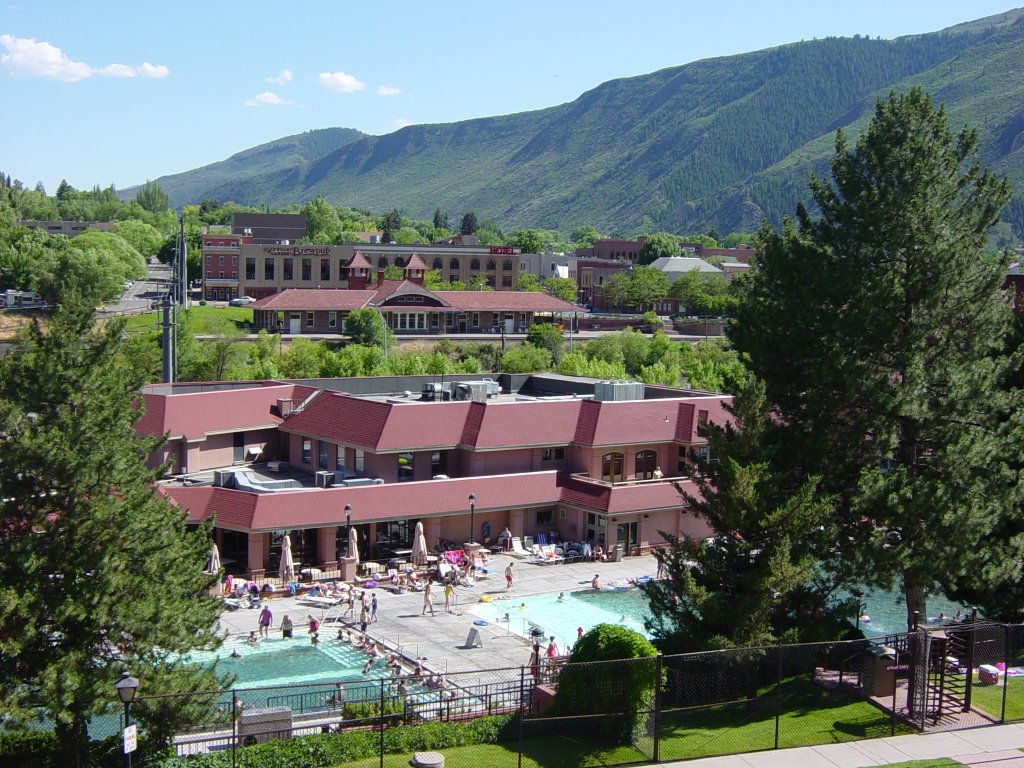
x=990, y=698
x=809, y=715
x=202, y=319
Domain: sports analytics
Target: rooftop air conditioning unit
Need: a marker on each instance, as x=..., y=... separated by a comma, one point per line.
x=222, y=478
x=324, y=479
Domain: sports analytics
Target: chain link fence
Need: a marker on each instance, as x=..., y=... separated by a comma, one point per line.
x=628, y=711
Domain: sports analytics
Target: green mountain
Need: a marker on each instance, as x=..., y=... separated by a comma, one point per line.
x=278, y=155
x=717, y=143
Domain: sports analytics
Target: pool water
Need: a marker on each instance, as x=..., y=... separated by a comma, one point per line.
x=888, y=612
x=560, y=618
x=285, y=661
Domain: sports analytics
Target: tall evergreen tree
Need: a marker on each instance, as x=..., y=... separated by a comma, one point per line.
x=98, y=574
x=754, y=582
x=878, y=329
x=469, y=224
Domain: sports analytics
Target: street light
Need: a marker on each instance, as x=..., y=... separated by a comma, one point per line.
x=126, y=688
x=472, y=510
x=348, y=530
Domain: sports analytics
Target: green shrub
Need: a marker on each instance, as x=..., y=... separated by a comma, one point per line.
x=610, y=672
x=337, y=748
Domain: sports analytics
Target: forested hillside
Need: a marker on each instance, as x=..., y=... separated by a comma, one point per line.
x=719, y=143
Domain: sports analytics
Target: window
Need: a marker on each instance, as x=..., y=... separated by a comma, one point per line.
x=553, y=454
x=438, y=264
x=268, y=269
x=332, y=319
x=507, y=266
x=506, y=281
x=222, y=259
x=307, y=451
x=382, y=262
x=307, y=269
x=250, y=268
x=453, y=265
x=545, y=517
x=325, y=269
x=438, y=463
x=209, y=274
x=474, y=265
x=399, y=261
x=234, y=274
x=360, y=461
x=322, y=459
x=287, y=270
x=611, y=467
x=491, y=266
x=221, y=273
x=646, y=463
x=309, y=319
x=406, y=466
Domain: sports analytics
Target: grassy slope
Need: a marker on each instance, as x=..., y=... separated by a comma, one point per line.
x=199, y=316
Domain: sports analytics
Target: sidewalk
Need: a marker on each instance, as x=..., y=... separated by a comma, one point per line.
x=994, y=746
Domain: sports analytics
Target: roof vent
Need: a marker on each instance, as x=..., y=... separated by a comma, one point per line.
x=618, y=390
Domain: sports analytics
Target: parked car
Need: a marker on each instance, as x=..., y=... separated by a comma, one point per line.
x=241, y=301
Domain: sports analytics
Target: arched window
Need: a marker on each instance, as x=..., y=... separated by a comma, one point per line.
x=611, y=467
x=437, y=264
x=507, y=265
x=382, y=262
x=474, y=265
x=399, y=261
x=491, y=266
x=646, y=463
x=453, y=265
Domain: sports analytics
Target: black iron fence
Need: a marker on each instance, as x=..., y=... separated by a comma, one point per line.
x=630, y=711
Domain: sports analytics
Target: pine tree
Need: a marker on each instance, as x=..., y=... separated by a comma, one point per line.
x=878, y=329
x=98, y=573
x=751, y=584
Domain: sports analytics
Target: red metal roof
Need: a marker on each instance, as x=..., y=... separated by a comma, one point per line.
x=193, y=415
x=317, y=508
x=311, y=299
x=508, y=425
x=510, y=301
x=415, y=262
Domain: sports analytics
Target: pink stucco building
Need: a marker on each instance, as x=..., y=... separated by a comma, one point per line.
x=580, y=459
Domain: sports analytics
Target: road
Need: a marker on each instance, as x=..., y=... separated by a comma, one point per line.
x=142, y=293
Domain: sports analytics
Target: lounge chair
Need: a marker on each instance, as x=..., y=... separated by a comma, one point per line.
x=547, y=556
x=319, y=602
x=518, y=550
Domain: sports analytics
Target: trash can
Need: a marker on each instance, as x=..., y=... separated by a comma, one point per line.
x=879, y=671
x=617, y=553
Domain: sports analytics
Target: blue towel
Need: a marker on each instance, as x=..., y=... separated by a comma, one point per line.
x=542, y=539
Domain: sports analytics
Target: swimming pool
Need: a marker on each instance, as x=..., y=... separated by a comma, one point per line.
x=560, y=618
x=888, y=612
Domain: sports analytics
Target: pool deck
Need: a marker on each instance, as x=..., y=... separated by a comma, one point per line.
x=439, y=639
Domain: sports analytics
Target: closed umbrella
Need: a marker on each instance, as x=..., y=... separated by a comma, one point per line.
x=353, y=544
x=419, y=546
x=286, y=569
x=213, y=564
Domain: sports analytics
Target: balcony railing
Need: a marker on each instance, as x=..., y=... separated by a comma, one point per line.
x=585, y=477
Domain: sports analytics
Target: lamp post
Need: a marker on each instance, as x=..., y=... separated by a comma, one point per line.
x=126, y=688
x=348, y=530
x=472, y=510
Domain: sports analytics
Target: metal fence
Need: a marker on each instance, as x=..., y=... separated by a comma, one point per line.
x=645, y=710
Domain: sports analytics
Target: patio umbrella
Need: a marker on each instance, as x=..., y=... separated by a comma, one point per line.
x=419, y=546
x=286, y=569
x=353, y=544
x=213, y=564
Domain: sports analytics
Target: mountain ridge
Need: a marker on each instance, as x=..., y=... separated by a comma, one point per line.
x=716, y=143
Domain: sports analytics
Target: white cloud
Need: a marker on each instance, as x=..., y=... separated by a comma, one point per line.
x=153, y=70
x=281, y=78
x=267, y=98
x=387, y=90
x=401, y=122
x=340, y=82
x=116, y=70
x=33, y=58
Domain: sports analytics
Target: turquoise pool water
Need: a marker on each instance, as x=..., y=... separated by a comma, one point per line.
x=585, y=608
x=888, y=612
x=629, y=608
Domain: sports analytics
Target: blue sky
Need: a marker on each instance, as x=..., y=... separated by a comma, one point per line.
x=117, y=92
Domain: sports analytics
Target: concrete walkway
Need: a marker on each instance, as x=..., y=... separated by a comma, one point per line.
x=440, y=639
x=995, y=746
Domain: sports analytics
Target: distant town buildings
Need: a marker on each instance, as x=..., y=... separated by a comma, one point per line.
x=67, y=228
